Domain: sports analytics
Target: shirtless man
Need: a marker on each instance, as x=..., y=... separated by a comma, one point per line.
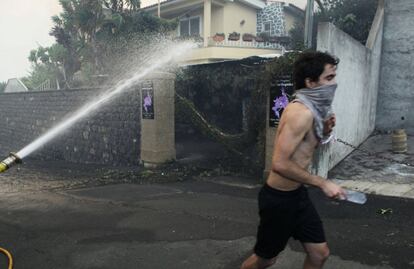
x=284, y=206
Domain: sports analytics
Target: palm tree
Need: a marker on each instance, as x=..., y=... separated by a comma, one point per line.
x=76, y=29
x=120, y=6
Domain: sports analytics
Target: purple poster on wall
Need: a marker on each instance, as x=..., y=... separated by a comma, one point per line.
x=279, y=99
x=147, y=97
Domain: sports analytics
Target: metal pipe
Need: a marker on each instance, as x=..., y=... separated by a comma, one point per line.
x=309, y=24
x=9, y=161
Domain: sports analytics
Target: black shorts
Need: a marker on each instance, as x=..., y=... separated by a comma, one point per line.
x=285, y=214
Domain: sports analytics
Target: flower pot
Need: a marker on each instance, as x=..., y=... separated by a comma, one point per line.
x=259, y=39
x=234, y=36
x=218, y=38
x=248, y=37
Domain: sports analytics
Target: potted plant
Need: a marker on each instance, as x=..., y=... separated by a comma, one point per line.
x=273, y=39
x=248, y=37
x=259, y=39
x=234, y=36
x=262, y=37
x=197, y=38
x=284, y=40
x=219, y=37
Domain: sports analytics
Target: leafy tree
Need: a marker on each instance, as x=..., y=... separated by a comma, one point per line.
x=352, y=16
x=126, y=41
x=47, y=64
x=297, y=36
x=119, y=6
x=92, y=38
x=77, y=26
x=95, y=33
x=39, y=74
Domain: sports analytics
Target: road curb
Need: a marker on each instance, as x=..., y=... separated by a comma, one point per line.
x=380, y=188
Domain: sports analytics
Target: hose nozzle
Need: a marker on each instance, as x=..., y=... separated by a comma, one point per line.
x=9, y=161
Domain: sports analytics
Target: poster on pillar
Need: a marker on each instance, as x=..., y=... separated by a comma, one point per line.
x=147, y=97
x=280, y=94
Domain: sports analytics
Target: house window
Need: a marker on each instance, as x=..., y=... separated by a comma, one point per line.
x=267, y=27
x=190, y=26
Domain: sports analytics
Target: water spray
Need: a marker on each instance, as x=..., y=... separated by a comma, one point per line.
x=153, y=62
x=9, y=162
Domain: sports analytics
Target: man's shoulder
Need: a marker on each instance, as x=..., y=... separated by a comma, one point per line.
x=297, y=117
x=298, y=110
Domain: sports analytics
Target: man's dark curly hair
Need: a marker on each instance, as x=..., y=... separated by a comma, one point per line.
x=311, y=65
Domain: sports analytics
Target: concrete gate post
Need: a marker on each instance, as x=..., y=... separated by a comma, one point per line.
x=276, y=101
x=157, y=119
x=270, y=137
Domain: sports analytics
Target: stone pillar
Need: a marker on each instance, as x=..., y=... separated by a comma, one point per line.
x=276, y=101
x=270, y=138
x=157, y=119
x=207, y=21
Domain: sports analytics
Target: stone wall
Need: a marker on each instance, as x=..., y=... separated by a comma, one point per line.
x=396, y=92
x=273, y=14
x=111, y=135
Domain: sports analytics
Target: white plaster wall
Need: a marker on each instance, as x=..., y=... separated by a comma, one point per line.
x=356, y=98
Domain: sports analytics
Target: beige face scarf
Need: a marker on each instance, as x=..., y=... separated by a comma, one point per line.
x=319, y=101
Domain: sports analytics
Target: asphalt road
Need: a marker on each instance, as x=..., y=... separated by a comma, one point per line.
x=192, y=224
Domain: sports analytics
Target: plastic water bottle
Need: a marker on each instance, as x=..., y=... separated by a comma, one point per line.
x=355, y=197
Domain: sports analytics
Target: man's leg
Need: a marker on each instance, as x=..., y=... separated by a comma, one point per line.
x=255, y=262
x=317, y=254
x=277, y=210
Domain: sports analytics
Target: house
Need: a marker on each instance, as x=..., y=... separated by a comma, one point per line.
x=231, y=29
x=15, y=85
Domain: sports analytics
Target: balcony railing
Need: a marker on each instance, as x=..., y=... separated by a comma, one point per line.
x=245, y=44
x=254, y=44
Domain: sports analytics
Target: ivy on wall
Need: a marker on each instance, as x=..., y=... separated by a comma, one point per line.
x=210, y=98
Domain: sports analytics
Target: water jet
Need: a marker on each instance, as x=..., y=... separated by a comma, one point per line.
x=166, y=54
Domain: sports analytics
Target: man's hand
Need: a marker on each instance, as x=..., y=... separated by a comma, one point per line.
x=329, y=124
x=333, y=190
